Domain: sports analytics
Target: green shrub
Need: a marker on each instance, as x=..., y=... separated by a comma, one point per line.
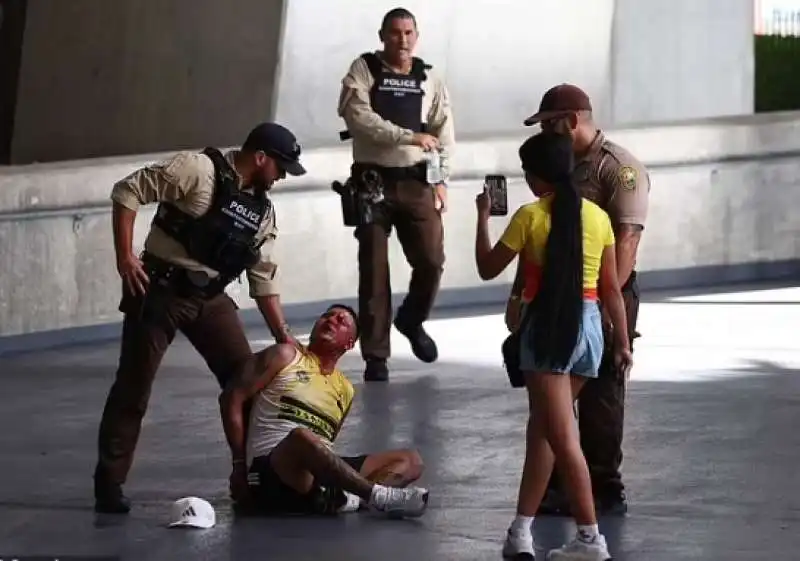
x=777, y=73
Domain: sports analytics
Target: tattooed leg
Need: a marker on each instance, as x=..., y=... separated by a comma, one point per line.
x=302, y=453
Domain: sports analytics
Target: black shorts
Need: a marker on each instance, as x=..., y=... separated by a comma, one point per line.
x=272, y=496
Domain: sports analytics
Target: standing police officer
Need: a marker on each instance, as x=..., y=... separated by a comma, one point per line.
x=214, y=221
x=397, y=112
x=613, y=178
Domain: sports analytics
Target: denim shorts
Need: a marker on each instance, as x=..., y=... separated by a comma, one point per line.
x=585, y=359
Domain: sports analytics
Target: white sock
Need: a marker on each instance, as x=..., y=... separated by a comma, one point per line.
x=522, y=524
x=587, y=533
x=379, y=496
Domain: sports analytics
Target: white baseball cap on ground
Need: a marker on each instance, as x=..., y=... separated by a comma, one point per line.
x=192, y=512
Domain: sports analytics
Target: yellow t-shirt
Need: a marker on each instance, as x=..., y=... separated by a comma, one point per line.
x=299, y=396
x=527, y=234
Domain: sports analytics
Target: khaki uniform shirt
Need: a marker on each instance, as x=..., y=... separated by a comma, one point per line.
x=187, y=180
x=614, y=179
x=381, y=142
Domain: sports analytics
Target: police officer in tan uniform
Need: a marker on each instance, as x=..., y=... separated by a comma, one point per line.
x=612, y=177
x=397, y=112
x=214, y=222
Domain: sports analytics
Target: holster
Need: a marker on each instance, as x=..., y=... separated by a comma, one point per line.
x=361, y=195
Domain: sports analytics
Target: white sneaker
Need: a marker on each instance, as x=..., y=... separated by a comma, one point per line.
x=578, y=550
x=519, y=545
x=352, y=504
x=406, y=502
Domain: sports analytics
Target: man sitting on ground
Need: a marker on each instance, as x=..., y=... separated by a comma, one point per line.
x=283, y=463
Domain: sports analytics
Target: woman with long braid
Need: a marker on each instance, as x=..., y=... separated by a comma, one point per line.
x=567, y=247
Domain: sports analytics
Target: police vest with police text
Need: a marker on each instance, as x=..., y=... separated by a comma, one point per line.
x=397, y=97
x=224, y=238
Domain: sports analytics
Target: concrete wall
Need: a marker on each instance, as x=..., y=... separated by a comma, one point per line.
x=682, y=59
x=102, y=78
x=724, y=200
x=640, y=61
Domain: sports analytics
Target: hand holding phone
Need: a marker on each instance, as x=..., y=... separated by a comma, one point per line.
x=497, y=189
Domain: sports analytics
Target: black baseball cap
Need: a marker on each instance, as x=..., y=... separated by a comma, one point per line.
x=279, y=143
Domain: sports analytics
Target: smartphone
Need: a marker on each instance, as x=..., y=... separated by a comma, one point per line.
x=498, y=194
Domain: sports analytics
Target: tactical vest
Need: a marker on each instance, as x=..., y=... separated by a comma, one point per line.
x=223, y=238
x=397, y=98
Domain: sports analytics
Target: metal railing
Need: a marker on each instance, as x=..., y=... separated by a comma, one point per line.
x=783, y=23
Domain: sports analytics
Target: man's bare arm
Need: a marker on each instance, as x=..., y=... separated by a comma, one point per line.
x=259, y=371
x=627, y=243
x=129, y=266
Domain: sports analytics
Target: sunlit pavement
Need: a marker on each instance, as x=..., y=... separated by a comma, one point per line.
x=711, y=448
x=683, y=338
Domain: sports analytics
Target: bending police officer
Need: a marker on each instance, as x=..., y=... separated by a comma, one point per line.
x=614, y=179
x=397, y=112
x=214, y=221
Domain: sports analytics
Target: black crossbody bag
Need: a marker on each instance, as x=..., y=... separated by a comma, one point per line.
x=511, y=350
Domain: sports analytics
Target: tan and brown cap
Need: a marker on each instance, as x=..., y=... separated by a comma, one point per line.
x=558, y=101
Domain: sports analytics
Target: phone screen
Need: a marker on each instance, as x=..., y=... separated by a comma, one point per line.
x=498, y=194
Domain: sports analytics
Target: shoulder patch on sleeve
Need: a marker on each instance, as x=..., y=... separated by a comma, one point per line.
x=627, y=177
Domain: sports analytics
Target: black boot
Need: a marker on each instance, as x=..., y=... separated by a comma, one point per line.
x=109, y=499
x=376, y=370
x=423, y=347
x=611, y=503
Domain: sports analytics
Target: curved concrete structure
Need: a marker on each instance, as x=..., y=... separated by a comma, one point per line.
x=93, y=78
x=724, y=202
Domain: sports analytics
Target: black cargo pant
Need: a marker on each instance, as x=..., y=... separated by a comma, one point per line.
x=212, y=326
x=409, y=206
x=601, y=411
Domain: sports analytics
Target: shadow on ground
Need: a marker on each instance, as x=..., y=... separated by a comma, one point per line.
x=711, y=466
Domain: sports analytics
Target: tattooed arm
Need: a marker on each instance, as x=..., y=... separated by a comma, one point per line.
x=257, y=374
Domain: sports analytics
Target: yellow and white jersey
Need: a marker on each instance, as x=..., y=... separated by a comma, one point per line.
x=300, y=395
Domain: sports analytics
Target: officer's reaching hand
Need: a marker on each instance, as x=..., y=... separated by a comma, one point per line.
x=425, y=141
x=131, y=270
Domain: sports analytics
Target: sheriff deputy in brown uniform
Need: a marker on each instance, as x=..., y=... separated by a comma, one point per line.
x=613, y=178
x=396, y=111
x=214, y=221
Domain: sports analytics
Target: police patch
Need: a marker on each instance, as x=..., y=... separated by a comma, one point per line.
x=627, y=177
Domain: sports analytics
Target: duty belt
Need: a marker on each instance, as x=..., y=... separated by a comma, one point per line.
x=182, y=281
x=393, y=174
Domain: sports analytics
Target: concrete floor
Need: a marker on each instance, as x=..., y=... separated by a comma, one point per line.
x=711, y=452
